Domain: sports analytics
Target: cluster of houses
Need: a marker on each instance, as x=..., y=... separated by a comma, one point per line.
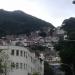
x=22, y=61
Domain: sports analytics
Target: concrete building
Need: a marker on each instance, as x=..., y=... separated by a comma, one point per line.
x=20, y=60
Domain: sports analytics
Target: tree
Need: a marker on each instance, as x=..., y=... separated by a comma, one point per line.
x=42, y=34
x=1, y=66
x=35, y=73
x=51, y=31
x=66, y=48
x=47, y=69
x=4, y=62
x=4, y=66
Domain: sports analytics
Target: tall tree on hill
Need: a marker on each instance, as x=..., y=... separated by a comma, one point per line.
x=66, y=48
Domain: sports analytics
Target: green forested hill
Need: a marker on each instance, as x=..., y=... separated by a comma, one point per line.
x=69, y=27
x=18, y=22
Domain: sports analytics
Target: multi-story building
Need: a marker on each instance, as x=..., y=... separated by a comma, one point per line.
x=20, y=60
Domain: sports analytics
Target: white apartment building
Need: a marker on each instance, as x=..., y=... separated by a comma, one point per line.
x=21, y=61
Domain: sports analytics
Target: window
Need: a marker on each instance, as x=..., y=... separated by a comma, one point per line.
x=31, y=69
x=17, y=52
x=21, y=53
x=12, y=65
x=12, y=52
x=24, y=53
x=24, y=66
x=21, y=65
x=31, y=59
x=17, y=65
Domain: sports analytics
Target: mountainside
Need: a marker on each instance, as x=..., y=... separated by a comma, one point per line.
x=18, y=22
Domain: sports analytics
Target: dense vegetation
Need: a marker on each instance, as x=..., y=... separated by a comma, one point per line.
x=47, y=69
x=66, y=47
x=18, y=22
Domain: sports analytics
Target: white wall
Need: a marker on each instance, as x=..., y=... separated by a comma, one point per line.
x=32, y=66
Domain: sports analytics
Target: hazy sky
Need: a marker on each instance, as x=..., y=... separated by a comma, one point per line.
x=53, y=11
